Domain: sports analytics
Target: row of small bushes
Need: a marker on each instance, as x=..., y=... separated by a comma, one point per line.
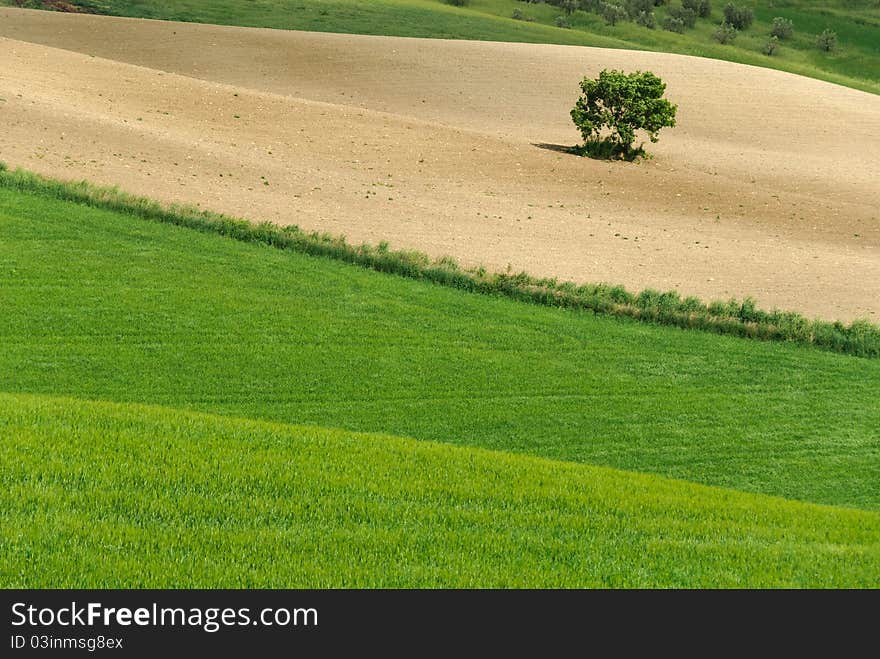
x=780, y=30
x=682, y=17
x=733, y=317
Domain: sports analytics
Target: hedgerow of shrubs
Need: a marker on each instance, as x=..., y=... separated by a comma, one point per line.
x=736, y=318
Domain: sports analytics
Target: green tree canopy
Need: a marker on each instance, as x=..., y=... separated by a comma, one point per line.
x=616, y=105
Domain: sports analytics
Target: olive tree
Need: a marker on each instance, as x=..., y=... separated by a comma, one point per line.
x=827, y=41
x=739, y=17
x=782, y=28
x=614, y=106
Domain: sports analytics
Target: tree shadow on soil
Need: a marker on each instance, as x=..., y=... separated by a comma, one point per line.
x=597, y=150
x=559, y=148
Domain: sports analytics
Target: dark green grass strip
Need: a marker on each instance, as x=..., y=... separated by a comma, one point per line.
x=733, y=317
x=96, y=495
x=98, y=306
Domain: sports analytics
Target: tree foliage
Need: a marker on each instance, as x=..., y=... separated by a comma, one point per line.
x=702, y=8
x=739, y=17
x=782, y=28
x=613, y=13
x=636, y=7
x=827, y=41
x=725, y=33
x=614, y=106
x=646, y=19
x=688, y=17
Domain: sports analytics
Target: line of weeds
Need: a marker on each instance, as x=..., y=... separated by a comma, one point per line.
x=736, y=318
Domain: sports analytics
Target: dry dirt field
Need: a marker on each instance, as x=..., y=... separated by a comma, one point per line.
x=767, y=187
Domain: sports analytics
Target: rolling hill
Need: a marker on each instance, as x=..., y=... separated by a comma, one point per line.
x=855, y=62
x=191, y=400
x=435, y=145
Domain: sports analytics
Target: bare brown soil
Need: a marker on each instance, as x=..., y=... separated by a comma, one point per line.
x=768, y=186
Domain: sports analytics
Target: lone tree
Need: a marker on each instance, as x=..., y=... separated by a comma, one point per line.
x=614, y=106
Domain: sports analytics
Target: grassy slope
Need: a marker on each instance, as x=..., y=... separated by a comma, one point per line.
x=857, y=23
x=103, y=495
x=100, y=305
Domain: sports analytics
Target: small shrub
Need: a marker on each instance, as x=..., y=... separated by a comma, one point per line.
x=672, y=24
x=739, y=17
x=702, y=8
x=518, y=15
x=687, y=16
x=646, y=19
x=827, y=41
x=613, y=13
x=562, y=21
x=725, y=34
x=636, y=7
x=782, y=28
x=771, y=46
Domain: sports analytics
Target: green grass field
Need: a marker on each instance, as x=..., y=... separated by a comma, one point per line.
x=101, y=305
x=122, y=496
x=855, y=63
